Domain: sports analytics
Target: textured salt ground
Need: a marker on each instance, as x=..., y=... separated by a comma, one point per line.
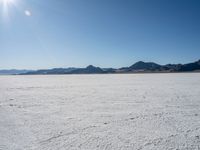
x=100, y=112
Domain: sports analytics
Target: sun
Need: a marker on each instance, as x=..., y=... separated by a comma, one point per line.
x=5, y=6
x=6, y=2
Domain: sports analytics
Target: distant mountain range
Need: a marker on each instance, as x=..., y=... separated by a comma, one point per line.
x=138, y=67
x=13, y=72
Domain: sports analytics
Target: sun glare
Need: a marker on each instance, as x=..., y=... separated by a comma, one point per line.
x=6, y=2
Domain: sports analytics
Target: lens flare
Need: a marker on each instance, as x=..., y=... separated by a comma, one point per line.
x=27, y=13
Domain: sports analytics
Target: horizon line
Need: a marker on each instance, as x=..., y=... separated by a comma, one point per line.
x=96, y=66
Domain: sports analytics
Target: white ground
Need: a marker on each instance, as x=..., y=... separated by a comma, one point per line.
x=100, y=112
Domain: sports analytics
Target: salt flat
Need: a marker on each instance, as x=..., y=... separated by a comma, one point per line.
x=100, y=112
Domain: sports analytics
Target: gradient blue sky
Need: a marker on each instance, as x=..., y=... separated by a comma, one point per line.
x=105, y=33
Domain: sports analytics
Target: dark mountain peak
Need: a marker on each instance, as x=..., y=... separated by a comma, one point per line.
x=140, y=62
x=144, y=63
x=91, y=67
x=140, y=65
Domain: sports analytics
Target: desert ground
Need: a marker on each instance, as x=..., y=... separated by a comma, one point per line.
x=100, y=112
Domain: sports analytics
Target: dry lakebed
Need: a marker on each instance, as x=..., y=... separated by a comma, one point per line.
x=100, y=112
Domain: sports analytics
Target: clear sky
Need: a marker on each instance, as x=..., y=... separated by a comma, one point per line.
x=37, y=34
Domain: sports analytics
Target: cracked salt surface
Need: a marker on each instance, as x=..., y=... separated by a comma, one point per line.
x=100, y=112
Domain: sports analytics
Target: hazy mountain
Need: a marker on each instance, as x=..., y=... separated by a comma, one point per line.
x=88, y=70
x=137, y=67
x=52, y=71
x=13, y=71
x=109, y=70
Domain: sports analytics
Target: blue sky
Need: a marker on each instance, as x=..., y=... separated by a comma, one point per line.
x=105, y=33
